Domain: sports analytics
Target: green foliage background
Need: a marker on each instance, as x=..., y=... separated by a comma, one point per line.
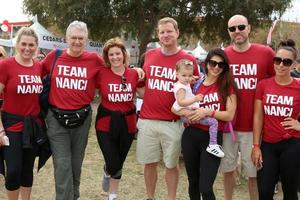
x=202, y=19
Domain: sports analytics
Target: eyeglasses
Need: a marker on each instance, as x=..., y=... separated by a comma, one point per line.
x=285, y=61
x=77, y=38
x=213, y=63
x=240, y=27
x=123, y=82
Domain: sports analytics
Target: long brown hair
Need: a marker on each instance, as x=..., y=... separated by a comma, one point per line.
x=225, y=81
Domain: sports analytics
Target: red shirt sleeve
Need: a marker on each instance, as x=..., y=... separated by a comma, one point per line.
x=3, y=74
x=48, y=62
x=259, y=90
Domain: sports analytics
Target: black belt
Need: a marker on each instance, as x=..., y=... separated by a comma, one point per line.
x=170, y=120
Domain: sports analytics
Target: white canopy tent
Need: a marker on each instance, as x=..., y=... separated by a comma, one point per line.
x=7, y=43
x=199, y=52
x=48, y=41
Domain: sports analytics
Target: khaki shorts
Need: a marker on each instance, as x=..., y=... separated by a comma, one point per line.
x=159, y=139
x=243, y=144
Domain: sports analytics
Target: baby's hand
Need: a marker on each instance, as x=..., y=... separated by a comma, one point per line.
x=198, y=97
x=194, y=79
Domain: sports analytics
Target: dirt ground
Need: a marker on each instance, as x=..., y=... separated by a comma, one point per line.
x=132, y=184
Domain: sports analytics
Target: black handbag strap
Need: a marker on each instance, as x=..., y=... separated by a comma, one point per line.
x=58, y=52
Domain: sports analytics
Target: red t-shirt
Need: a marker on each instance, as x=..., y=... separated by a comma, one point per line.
x=160, y=78
x=248, y=68
x=22, y=88
x=114, y=98
x=73, y=79
x=278, y=102
x=211, y=100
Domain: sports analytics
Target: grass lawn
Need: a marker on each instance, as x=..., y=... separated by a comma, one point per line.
x=132, y=184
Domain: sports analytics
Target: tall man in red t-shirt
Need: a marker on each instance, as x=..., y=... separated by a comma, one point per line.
x=249, y=64
x=159, y=129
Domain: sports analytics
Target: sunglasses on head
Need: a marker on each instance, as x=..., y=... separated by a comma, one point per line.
x=239, y=27
x=186, y=62
x=213, y=63
x=123, y=81
x=285, y=61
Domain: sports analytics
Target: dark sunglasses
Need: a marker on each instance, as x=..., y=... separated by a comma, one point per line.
x=213, y=63
x=285, y=61
x=1, y=55
x=240, y=27
x=123, y=81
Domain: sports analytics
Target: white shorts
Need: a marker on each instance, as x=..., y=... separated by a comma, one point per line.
x=159, y=139
x=231, y=148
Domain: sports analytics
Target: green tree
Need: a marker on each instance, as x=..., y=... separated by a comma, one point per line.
x=205, y=19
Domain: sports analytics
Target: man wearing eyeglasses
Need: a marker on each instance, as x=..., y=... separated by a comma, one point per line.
x=249, y=64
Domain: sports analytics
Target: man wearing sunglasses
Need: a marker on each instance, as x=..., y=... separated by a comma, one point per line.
x=249, y=64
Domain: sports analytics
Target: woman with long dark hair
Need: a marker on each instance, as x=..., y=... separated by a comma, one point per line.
x=276, y=148
x=219, y=101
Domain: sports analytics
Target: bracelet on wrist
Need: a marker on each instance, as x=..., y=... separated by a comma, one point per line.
x=213, y=114
x=255, y=146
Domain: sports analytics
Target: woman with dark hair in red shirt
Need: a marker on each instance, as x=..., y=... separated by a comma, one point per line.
x=219, y=101
x=276, y=149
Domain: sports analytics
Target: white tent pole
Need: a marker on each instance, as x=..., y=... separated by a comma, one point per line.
x=11, y=37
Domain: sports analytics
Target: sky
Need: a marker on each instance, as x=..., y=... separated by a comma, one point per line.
x=292, y=14
x=11, y=10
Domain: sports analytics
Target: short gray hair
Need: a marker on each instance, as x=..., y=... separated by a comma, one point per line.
x=79, y=25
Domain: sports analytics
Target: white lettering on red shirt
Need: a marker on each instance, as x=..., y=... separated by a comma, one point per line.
x=29, y=84
x=161, y=72
x=209, y=99
x=78, y=80
x=165, y=72
x=245, y=70
x=116, y=93
x=277, y=105
x=72, y=71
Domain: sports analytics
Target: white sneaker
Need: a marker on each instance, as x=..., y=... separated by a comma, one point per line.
x=216, y=150
x=276, y=189
x=113, y=198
